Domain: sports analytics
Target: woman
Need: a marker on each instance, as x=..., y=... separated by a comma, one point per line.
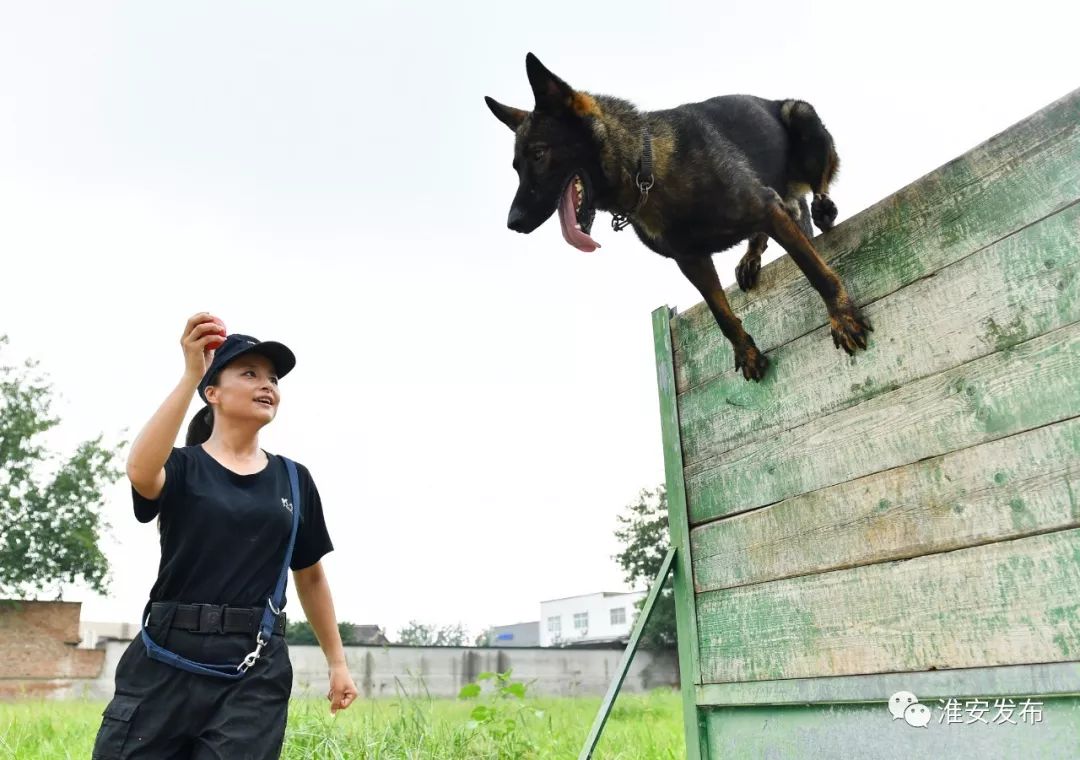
x=224, y=510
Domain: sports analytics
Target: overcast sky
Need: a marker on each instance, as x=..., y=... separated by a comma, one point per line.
x=475, y=405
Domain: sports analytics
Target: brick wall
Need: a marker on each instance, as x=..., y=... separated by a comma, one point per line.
x=38, y=654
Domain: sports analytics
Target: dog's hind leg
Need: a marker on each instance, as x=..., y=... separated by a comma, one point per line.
x=812, y=159
x=749, y=266
x=804, y=217
x=702, y=274
x=849, y=327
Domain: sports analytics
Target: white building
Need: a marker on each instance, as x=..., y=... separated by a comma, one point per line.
x=92, y=634
x=603, y=616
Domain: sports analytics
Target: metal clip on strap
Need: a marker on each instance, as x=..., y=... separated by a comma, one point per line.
x=270, y=613
x=251, y=657
x=260, y=642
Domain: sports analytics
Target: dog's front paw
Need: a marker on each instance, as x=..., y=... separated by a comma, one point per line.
x=824, y=212
x=746, y=273
x=751, y=362
x=849, y=327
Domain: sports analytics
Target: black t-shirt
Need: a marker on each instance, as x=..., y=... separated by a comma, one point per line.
x=224, y=535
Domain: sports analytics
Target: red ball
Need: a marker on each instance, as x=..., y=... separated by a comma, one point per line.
x=217, y=342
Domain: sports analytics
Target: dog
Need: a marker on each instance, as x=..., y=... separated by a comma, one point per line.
x=691, y=180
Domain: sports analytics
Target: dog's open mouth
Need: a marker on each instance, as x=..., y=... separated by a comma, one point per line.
x=576, y=214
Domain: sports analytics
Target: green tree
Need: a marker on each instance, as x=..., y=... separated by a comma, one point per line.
x=50, y=505
x=301, y=632
x=349, y=632
x=419, y=634
x=643, y=533
x=452, y=636
x=416, y=634
x=482, y=639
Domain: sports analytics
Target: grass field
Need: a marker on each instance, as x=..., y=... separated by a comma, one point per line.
x=640, y=726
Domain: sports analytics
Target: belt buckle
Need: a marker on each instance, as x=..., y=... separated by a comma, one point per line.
x=211, y=618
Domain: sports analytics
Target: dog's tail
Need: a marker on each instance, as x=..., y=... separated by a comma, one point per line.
x=812, y=159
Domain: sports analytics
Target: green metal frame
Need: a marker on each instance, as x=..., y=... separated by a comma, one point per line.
x=628, y=656
x=677, y=560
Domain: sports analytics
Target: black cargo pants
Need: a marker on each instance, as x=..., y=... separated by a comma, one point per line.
x=165, y=713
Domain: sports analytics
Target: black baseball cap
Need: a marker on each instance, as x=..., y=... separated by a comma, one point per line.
x=236, y=345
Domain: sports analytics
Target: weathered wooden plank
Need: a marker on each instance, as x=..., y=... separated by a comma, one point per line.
x=865, y=732
x=678, y=526
x=1009, y=292
x=1032, y=384
x=1034, y=680
x=1008, y=488
x=1017, y=177
x=1006, y=603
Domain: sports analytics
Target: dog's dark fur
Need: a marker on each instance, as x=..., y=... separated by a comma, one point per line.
x=728, y=169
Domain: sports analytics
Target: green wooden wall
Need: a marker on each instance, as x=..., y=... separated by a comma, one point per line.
x=905, y=519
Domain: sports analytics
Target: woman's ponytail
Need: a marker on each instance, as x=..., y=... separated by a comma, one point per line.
x=200, y=427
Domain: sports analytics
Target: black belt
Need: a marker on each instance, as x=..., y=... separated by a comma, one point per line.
x=214, y=618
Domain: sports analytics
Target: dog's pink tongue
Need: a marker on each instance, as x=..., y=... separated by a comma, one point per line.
x=568, y=219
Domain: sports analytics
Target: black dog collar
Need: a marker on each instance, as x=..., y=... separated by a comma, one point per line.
x=644, y=180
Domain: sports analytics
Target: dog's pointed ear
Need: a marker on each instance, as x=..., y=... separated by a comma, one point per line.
x=511, y=117
x=549, y=91
x=556, y=96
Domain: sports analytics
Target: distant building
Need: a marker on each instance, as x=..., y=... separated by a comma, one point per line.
x=603, y=617
x=95, y=634
x=516, y=635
